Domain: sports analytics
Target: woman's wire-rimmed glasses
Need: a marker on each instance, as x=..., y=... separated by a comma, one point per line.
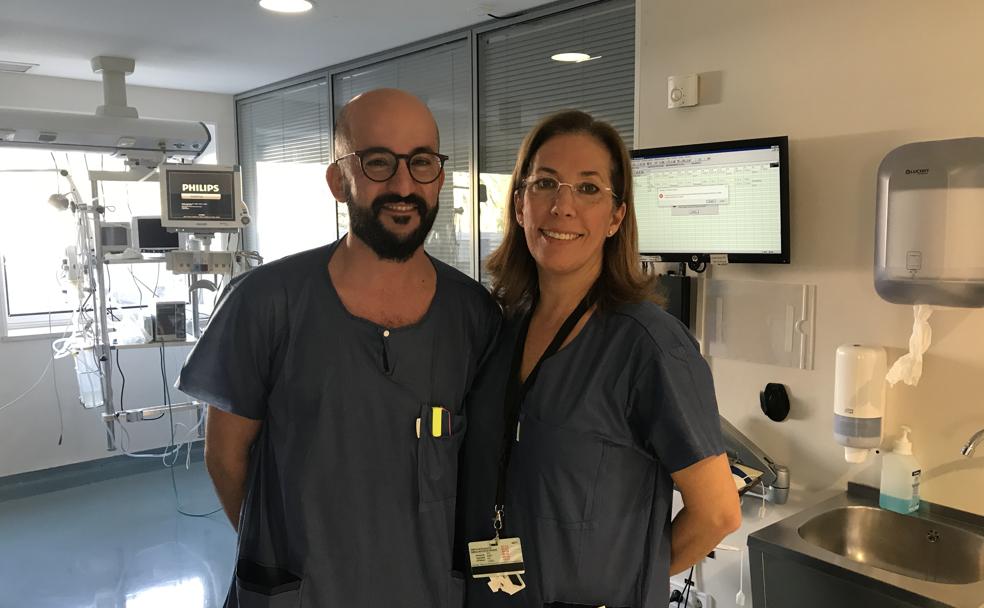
x=547, y=189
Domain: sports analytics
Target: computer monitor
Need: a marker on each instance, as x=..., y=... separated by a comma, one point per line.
x=150, y=237
x=115, y=236
x=727, y=198
x=202, y=198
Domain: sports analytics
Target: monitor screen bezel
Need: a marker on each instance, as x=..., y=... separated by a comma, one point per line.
x=137, y=244
x=782, y=142
x=202, y=225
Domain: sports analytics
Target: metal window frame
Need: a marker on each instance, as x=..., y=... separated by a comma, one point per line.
x=3, y=304
x=470, y=35
x=250, y=233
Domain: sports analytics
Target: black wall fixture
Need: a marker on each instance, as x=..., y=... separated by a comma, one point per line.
x=774, y=401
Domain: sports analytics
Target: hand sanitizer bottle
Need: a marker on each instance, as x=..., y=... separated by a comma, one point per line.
x=900, y=477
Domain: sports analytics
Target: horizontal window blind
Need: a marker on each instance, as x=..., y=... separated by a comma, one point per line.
x=519, y=84
x=285, y=135
x=441, y=76
x=284, y=149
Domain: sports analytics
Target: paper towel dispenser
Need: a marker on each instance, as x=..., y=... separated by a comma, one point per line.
x=928, y=243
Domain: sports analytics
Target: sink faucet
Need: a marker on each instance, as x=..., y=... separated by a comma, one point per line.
x=972, y=443
x=775, y=477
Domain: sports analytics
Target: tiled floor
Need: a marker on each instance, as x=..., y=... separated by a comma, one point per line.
x=117, y=544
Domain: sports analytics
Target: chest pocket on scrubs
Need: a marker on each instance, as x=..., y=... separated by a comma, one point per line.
x=557, y=471
x=441, y=433
x=575, y=485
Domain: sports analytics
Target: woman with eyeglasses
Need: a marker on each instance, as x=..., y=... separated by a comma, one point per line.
x=594, y=404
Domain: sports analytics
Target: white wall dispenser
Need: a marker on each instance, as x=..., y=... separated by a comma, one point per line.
x=859, y=399
x=928, y=245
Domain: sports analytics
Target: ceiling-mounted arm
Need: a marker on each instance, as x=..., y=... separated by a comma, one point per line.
x=114, y=129
x=114, y=71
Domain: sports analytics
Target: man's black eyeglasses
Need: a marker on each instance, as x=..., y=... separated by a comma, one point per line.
x=381, y=164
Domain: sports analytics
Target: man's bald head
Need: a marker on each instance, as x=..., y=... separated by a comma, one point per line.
x=368, y=117
x=391, y=216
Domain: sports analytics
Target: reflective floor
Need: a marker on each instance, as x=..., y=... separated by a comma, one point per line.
x=117, y=544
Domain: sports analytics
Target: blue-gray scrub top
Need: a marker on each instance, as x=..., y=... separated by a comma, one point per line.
x=345, y=506
x=626, y=403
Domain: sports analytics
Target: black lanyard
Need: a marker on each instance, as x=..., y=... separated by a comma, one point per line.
x=516, y=392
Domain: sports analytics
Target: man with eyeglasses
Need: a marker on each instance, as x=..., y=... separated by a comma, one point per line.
x=336, y=378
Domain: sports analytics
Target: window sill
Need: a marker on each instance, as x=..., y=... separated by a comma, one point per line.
x=24, y=334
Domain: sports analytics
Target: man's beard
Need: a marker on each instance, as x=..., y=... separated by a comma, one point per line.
x=365, y=224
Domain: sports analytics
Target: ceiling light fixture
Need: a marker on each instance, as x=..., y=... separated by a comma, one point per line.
x=16, y=67
x=573, y=57
x=287, y=6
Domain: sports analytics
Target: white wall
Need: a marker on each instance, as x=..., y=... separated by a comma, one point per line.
x=847, y=81
x=29, y=430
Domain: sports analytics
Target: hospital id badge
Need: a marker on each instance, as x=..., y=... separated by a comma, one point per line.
x=496, y=557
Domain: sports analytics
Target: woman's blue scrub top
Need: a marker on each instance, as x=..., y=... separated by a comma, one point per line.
x=345, y=506
x=626, y=403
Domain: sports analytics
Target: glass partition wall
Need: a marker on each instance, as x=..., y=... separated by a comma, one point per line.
x=486, y=85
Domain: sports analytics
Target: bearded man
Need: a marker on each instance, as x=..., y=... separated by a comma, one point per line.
x=335, y=379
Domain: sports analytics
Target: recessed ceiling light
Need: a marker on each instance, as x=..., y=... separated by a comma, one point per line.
x=287, y=6
x=16, y=66
x=571, y=57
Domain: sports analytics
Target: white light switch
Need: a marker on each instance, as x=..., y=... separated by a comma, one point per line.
x=682, y=91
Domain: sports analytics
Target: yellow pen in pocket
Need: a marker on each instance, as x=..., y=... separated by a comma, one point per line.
x=440, y=422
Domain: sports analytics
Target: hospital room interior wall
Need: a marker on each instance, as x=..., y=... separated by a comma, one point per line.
x=847, y=81
x=30, y=428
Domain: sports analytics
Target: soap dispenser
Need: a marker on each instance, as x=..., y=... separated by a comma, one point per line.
x=900, y=477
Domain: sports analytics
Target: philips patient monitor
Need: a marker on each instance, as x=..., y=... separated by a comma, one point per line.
x=202, y=198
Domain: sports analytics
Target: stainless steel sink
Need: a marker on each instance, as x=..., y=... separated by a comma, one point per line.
x=846, y=552
x=917, y=548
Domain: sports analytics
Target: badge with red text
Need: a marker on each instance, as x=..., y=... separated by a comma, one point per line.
x=499, y=556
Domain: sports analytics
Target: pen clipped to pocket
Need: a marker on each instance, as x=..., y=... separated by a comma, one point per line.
x=439, y=435
x=439, y=424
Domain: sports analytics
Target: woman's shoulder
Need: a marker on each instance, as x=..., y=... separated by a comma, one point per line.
x=652, y=324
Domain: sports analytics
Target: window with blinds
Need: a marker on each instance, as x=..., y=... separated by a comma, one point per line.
x=284, y=150
x=519, y=83
x=285, y=136
x=441, y=76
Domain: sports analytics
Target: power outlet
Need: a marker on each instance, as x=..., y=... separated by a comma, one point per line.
x=696, y=599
